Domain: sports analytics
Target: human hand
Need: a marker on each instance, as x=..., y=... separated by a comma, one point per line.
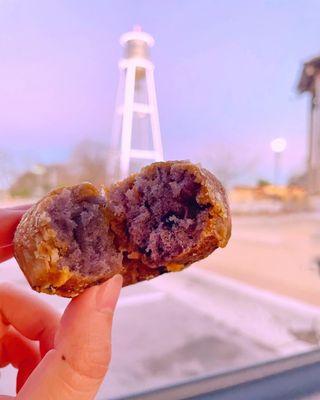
x=9, y=219
x=72, y=355
x=74, y=351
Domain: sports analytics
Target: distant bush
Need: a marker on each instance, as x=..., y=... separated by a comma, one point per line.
x=263, y=182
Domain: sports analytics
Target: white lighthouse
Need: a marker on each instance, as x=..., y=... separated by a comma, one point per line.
x=136, y=131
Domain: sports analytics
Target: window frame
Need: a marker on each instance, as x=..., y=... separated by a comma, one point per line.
x=286, y=378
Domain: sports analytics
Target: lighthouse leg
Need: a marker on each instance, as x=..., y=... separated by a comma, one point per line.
x=127, y=120
x=154, y=117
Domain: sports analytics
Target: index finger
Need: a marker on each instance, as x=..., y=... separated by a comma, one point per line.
x=33, y=318
x=9, y=219
x=22, y=207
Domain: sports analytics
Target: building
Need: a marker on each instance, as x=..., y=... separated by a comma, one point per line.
x=310, y=82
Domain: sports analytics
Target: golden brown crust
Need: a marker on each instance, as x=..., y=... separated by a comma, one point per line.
x=215, y=233
x=134, y=271
x=38, y=249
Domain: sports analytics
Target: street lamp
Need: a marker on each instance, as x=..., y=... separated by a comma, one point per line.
x=278, y=145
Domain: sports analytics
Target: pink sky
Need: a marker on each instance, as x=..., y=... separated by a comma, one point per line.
x=225, y=74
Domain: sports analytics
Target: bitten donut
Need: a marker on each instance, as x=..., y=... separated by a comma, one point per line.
x=162, y=219
x=166, y=217
x=64, y=244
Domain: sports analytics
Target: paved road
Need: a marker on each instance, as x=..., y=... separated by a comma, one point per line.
x=279, y=253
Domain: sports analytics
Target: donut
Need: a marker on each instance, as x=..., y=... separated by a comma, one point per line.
x=64, y=244
x=168, y=216
x=159, y=220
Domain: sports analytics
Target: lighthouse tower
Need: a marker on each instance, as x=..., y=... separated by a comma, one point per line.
x=136, y=132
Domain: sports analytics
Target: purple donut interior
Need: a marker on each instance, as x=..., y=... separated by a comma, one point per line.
x=162, y=215
x=82, y=226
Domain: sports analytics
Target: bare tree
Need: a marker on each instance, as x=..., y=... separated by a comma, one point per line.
x=7, y=170
x=88, y=162
x=229, y=163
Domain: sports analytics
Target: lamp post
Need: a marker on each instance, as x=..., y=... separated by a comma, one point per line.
x=278, y=145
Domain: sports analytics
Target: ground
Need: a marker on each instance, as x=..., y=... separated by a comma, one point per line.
x=180, y=327
x=278, y=253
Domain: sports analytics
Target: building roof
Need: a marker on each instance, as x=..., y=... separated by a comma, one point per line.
x=309, y=71
x=136, y=35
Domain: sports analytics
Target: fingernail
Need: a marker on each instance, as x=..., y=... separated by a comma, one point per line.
x=108, y=293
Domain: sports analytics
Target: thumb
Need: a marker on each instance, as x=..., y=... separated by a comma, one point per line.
x=76, y=366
